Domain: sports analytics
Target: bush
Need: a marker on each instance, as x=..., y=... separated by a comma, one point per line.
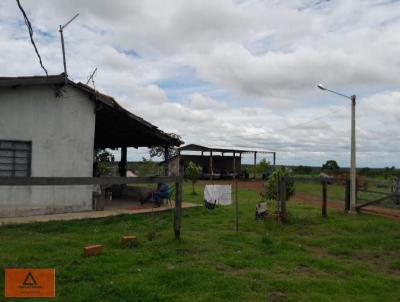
x=272, y=183
x=331, y=165
x=302, y=170
x=192, y=173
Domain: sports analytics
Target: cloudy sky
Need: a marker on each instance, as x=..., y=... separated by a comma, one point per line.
x=231, y=73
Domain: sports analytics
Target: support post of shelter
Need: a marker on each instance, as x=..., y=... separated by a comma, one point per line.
x=166, y=160
x=236, y=191
x=274, y=158
x=211, y=165
x=255, y=164
x=123, y=162
x=178, y=204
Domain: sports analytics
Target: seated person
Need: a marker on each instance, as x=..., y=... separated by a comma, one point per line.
x=160, y=193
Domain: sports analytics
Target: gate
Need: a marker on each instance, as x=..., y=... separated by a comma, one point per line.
x=379, y=193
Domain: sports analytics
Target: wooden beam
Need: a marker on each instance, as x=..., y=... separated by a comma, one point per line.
x=166, y=158
x=236, y=192
x=324, y=198
x=211, y=165
x=68, y=181
x=178, y=204
x=255, y=164
x=123, y=163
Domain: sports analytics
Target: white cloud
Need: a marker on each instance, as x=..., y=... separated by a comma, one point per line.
x=231, y=73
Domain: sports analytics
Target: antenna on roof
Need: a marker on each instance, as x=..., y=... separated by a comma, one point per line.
x=91, y=78
x=62, y=44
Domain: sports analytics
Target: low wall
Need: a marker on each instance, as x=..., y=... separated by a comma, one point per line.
x=38, y=200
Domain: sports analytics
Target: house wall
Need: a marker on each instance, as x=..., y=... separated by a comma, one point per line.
x=61, y=130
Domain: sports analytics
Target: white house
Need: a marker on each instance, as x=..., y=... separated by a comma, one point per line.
x=50, y=127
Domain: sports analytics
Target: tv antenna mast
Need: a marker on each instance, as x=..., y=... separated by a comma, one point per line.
x=91, y=78
x=62, y=44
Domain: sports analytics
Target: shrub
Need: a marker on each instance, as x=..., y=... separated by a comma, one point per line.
x=272, y=183
x=192, y=173
x=330, y=165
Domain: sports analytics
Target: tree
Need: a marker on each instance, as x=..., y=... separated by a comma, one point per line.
x=330, y=165
x=365, y=171
x=192, y=173
x=261, y=167
x=102, y=162
x=147, y=167
x=389, y=171
x=302, y=170
x=160, y=150
x=272, y=183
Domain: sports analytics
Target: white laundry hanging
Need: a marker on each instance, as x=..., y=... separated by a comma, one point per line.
x=219, y=194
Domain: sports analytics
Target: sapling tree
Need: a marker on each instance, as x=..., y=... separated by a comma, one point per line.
x=159, y=151
x=192, y=173
x=331, y=165
x=282, y=174
x=262, y=167
x=272, y=183
x=103, y=159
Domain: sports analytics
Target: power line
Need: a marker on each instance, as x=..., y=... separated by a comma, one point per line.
x=309, y=121
x=28, y=24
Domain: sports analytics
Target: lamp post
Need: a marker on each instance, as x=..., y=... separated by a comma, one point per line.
x=353, y=148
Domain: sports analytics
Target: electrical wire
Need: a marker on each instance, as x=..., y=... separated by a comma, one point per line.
x=308, y=122
x=28, y=24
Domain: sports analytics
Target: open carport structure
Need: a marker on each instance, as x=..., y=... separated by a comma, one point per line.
x=215, y=162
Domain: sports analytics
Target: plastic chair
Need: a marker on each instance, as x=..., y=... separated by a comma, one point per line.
x=168, y=198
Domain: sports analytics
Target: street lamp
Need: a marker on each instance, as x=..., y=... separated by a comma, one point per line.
x=353, y=147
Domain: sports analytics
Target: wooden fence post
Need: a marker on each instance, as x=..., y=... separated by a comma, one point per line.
x=395, y=189
x=324, y=197
x=347, y=196
x=283, y=199
x=178, y=204
x=278, y=199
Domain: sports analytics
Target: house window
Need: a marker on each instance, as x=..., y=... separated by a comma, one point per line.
x=15, y=158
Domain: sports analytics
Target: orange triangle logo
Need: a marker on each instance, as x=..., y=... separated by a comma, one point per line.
x=29, y=280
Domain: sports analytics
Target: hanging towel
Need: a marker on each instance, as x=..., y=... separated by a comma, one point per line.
x=221, y=194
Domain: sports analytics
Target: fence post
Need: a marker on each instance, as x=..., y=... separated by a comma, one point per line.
x=278, y=199
x=324, y=197
x=347, y=196
x=395, y=189
x=283, y=199
x=178, y=204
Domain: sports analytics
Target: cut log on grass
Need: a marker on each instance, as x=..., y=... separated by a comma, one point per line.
x=129, y=241
x=92, y=250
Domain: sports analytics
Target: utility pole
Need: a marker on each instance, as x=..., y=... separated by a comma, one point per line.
x=353, y=179
x=61, y=30
x=353, y=172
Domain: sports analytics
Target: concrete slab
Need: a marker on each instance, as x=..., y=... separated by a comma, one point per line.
x=90, y=214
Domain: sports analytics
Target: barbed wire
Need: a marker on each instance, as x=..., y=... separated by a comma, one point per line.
x=30, y=30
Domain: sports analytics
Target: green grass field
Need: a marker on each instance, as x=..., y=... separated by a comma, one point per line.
x=336, y=192
x=341, y=258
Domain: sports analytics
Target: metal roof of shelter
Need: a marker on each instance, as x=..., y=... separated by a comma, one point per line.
x=115, y=126
x=194, y=147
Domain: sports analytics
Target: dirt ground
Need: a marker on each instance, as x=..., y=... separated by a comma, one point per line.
x=257, y=185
